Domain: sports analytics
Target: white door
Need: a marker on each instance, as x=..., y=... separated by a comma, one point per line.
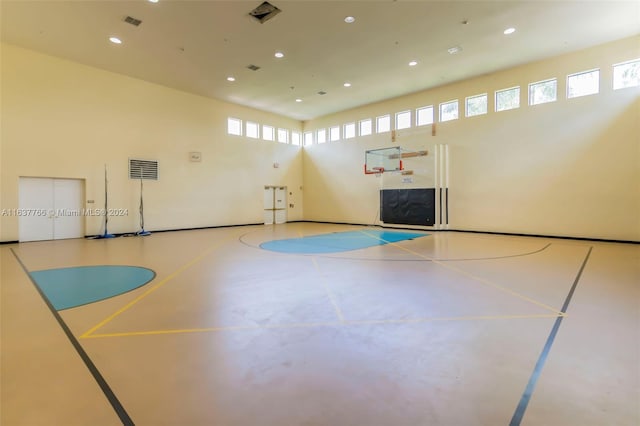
x=275, y=204
x=35, y=209
x=280, y=205
x=50, y=209
x=269, y=203
x=67, y=203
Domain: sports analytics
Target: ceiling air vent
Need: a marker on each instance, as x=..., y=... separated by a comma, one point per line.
x=133, y=21
x=322, y=92
x=264, y=12
x=143, y=169
x=253, y=67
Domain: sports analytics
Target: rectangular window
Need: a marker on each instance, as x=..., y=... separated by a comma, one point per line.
x=542, y=92
x=334, y=133
x=234, y=126
x=476, y=105
x=424, y=115
x=295, y=138
x=321, y=136
x=626, y=74
x=508, y=99
x=366, y=127
x=583, y=83
x=252, y=130
x=403, y=120
x=449, y=111
x=308, y=138
x=268, y=133
x=383, y=124
x=350, y=130
x=283, y=136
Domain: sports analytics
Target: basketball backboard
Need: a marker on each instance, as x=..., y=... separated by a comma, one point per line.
x=382, y=160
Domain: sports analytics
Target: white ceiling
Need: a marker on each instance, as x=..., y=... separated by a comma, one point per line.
x=194, y=45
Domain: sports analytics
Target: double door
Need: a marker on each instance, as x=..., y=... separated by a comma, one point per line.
x=275, y=204
x=50, y=209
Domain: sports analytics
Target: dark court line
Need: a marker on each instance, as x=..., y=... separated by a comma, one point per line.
x=106, y=389
x=537, y=370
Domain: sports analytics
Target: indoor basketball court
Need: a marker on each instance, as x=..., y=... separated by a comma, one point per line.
x=335, y=324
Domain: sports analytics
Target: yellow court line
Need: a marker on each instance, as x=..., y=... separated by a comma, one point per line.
x=154, y=288
x=467, y=274
x=330, y=295
x=213, y=329
x=318, y=324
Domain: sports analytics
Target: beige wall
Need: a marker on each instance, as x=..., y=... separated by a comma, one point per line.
x=568, y=168
x=63, y=119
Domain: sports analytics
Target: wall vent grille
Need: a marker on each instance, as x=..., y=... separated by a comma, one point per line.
x=143, y=169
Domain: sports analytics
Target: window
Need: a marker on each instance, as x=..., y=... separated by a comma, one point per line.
x=542, y=92
x=403, y=120
x=383, y=124
x=321, y=136
x=583, y=83
x=424, y=116
x=268, y=133
x=252, y=130
x=508, y=99
x=366, y=127
x=308, y=138
x=295, y=138
x=449, y=111
x=350, y=130
x=476, y=105
x=234, y=126
x=334, y=133
x=283, y=135
x=626, y=74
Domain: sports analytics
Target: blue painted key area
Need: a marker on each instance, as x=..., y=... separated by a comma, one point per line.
x=70, y=287
x=339, y=241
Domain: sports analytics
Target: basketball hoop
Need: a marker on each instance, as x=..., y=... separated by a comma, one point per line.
x=374, y=171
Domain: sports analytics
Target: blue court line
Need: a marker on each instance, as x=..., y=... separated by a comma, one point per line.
x=338, y=241
x=71, y=287
x=535, y=375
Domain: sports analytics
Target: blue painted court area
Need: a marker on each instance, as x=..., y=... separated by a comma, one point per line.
x=339, y=241
x=70, y=287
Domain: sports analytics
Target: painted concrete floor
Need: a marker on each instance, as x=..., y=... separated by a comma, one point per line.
x=447, y=329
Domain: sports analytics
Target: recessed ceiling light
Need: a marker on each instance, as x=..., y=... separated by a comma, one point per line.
x=413, y=63
x=153, y=1
x=453, y=50
x=115, y=40
x=279, y=55
x=347, y=84
x=349, y=19
x=298, y=100
x=509, y=31
x=231, y=78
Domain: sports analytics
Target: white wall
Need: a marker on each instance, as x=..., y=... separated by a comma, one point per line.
x=63, y=119
x=567, y=168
